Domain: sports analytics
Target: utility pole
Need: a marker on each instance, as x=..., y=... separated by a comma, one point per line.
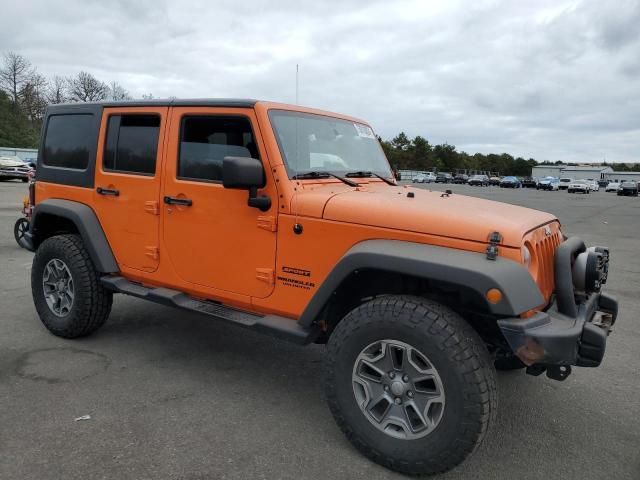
x=297, y=71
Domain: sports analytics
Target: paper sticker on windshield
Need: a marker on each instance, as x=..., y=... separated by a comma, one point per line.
x=364, y=130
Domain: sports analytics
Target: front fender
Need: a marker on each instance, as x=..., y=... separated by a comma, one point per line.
x=438, y=264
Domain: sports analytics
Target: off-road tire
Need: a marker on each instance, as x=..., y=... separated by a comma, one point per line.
x=453, y=348
x=92, y=302
x=19, y=228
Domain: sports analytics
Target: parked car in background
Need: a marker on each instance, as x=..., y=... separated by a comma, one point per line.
x=510, y=182
x=495, y=181
x=612, y=187
x=564, y=183
x=603, y=183
x=461, y=178
x=444, y=178
x=548, y=183
x=595, y=187
x=530, y=182
x=479, y=180
x=425, y=177
x=582, y=186
x=628, y=188
x=12, y=168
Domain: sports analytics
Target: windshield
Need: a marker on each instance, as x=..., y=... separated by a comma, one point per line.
x=318, y=143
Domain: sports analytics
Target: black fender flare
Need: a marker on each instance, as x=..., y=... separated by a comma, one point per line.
x=88, y=225
x=440, y=264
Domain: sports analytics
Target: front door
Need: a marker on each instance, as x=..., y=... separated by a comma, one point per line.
x=212, y=236
x=127, y=186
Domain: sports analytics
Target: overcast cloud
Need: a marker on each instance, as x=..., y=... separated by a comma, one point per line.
x=555, y=80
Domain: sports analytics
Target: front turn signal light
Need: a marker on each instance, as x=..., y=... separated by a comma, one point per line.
x=494, y=296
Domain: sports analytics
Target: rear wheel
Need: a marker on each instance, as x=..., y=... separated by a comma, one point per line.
x=410, y=384
x=66, y=288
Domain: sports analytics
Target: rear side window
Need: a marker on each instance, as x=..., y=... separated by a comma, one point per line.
x=68, y=140
x=132, y=144
x=206, y=140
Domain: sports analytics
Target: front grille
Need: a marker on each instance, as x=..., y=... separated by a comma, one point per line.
x=544, y=243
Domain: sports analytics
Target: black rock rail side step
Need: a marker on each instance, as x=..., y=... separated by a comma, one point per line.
x=280, y=327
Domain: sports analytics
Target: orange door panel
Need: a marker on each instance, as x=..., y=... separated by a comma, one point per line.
x=212, y=237
x=127, y=186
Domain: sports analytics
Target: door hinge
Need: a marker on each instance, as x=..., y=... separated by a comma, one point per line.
x=265, y=275
x=152, y=207
x=268, y=223
x=152, y=252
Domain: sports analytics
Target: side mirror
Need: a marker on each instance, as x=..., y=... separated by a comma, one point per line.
x=244, y=173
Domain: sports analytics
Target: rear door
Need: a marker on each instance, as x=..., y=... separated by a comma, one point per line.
x=127, y=186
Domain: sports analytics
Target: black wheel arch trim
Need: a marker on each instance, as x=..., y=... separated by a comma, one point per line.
x=457, y=267
x=88, y=225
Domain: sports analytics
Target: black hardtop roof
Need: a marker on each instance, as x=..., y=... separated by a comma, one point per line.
x=173, y=102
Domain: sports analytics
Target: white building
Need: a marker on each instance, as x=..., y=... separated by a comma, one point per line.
x=584, y=172
x=579, y=172
x=24, y=154
x=542, y=171
x=622, y=176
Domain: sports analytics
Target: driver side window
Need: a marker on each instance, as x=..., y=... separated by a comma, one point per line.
x=206, y=140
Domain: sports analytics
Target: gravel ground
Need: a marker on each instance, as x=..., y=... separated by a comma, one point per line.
x=176, y=396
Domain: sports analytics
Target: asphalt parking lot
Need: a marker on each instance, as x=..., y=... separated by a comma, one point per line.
x=176, y=396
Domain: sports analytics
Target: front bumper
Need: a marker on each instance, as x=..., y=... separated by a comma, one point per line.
x=573, y=330
x=13, y=174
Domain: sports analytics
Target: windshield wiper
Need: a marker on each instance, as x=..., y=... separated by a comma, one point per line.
x=371, y=174
x=314, y=174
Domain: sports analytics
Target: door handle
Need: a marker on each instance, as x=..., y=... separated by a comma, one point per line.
x=108, y=191
x=186, y=202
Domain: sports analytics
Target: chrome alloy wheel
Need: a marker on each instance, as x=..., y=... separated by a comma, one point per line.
x=398, y=389
x=57, y=285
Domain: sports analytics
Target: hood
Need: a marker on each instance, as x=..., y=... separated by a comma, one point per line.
x=10, y=162
x=428, y=212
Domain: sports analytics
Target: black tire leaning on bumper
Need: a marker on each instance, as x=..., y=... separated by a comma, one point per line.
x=455, y=350
x=92, y=302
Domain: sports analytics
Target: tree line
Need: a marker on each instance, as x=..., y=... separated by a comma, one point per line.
x=417, y=153
x=25, y=95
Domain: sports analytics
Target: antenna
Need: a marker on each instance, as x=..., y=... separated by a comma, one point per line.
x=297, y=70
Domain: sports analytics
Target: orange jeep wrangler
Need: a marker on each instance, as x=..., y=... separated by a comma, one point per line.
x=286, y=220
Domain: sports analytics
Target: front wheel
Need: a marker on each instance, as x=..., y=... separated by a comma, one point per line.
x=19, y=229
x=410, y=384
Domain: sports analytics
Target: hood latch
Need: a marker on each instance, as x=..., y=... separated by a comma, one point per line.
x=492, y=249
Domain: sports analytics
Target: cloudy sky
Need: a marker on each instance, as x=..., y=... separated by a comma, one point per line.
x=554, y=80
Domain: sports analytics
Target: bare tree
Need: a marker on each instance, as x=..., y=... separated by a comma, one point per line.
x=87, y=88
x=147, y=96
x=32, y=97
x=117, y=92
x=57, y=92
x=14, y=73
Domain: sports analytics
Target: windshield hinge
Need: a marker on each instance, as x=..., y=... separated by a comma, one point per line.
x=492, y=249
x=268, y=223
